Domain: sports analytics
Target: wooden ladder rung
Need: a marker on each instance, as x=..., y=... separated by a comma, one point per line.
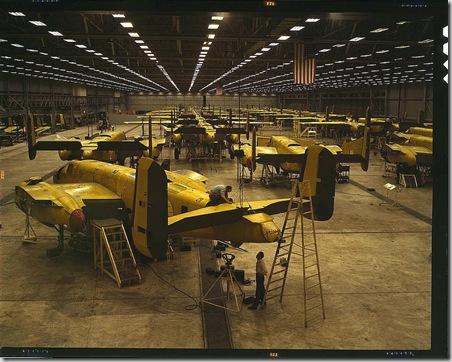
x=309, y=277
x=275, y=288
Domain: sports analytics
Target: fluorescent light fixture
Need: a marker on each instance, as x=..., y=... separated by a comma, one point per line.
x=69, y=40
x=104, y=58
x=139, y=41
x=205, y=48
x=118, y=15
x=247, y=60
x=42, y=53
x=252, y=56
x=417, y=56
x=284, y=37
x=258, y=53
x=17, y=45
x=338, y=45
x=54, y=57
x=211, y=36
x=89, y=50
x=379, y=30
x=126, y=24
x=213, y=26
x=134, y=35
x=55, y=33
x=296, y=28
x=352, y=58
x=402, y=46
x=148, y=51
x=202, y=55
x=357, y=38
x=144, y=47
x=99, y=54
x=217, y=18
x=32, y=50
x=265, y=49
x=312, y=20
x=425, y=41
x=382, y=51
x=154, y=58
x=16, y=13
x=37, y=23
x=402, y=22
x=273, y=44
x=324, y=50
x=81, y=46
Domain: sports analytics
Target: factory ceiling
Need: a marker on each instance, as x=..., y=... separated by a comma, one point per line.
x=140, y=51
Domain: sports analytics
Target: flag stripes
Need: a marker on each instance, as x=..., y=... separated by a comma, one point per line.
x=304, y=68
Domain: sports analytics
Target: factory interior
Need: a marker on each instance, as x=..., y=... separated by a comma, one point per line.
x=121, y=130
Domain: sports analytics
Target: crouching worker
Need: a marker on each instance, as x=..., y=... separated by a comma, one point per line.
x=219, y=195
x=261, y=272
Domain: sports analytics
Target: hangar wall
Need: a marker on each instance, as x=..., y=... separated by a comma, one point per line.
x=391, y=101
x=151, y=102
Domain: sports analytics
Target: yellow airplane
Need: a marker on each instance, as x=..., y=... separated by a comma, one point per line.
x=108, y=146
x=154, y=203
x=411, y=149
x=289, y=155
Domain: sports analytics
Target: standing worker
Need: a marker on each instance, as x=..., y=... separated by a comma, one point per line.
x=261, y=272
x=219, y=195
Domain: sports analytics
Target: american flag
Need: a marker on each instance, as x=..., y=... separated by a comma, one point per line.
x=303, y=68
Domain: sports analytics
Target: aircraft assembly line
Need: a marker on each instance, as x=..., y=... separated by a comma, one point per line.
x=241, y=212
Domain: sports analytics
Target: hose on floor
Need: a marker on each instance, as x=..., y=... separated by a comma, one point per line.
x=193, y=306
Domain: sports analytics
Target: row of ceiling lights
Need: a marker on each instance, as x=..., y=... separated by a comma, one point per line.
x=144, y=47
x=205, y=48
x=354, y=39
x=82, y=46
x=82, y=76
x=53, y=57
x=265, y=49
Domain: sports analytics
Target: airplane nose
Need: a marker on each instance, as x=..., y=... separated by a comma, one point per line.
x=77, y=220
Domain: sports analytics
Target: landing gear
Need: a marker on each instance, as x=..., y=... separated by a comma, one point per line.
x=60, y=247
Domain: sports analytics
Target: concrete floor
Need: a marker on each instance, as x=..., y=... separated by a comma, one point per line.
x=375, y=263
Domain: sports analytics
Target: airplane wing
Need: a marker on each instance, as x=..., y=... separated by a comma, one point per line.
x=252, y=212
x=123, y=145
x=192, y=175
x=58, y=145
x=277, y=159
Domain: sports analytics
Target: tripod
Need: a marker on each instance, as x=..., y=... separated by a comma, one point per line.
x=228, y=272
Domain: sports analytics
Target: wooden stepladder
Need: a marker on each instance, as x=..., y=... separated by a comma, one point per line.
x=112, y=252
x=298, y=214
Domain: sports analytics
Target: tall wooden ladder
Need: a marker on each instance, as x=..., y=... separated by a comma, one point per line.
x=113, y=254
x=298, y=214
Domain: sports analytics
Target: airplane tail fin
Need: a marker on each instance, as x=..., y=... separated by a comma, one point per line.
x=361, y=145
x=320, y=170
x=150, y=224
x=31, y=136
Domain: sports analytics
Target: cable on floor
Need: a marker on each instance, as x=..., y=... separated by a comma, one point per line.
x=187, y=307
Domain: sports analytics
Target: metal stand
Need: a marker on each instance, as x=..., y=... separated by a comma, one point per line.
x=230, y=281
x=29, y=234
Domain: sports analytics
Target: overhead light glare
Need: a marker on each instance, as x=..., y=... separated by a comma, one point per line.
x=55, y=33
x=324, y=50
x=265, y=49
x=16, y=13
x=217, y=18
x=134, y=35
x=81, y=46
x=425, y=41
x=118, y=15
x=357, y=38
x=284, y=37
x=17, y=45
x=379, y=30
x=139, y=41
x=37, y=23
x=211, y=36
x=312, y=20
x=213, y=26
x=382, y=51
x=273, y=44
x=296, y=28
x=126, y=24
